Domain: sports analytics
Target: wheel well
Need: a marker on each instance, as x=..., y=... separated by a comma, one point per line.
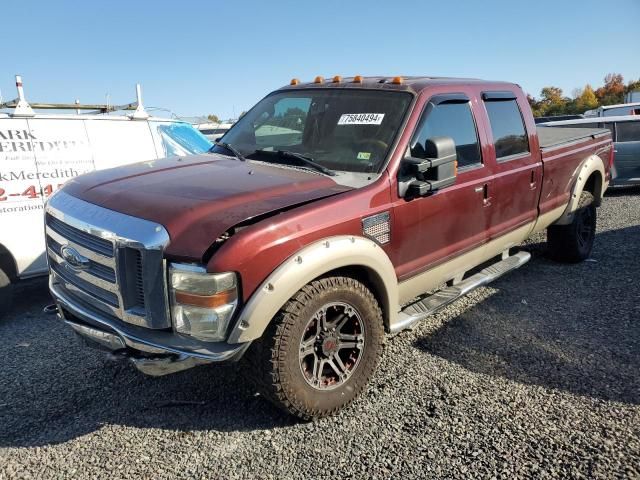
x=8, y=264
x=371, y=280
x=594, y=186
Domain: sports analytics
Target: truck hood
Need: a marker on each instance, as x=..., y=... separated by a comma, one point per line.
x=198, y=198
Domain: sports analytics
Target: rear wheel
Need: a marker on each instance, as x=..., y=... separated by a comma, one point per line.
x=6, y=293
x=321, y=349
x=573, y=242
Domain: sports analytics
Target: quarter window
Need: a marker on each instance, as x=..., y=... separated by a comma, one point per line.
x=453, y=120
x=509, y=134
x=628, y=131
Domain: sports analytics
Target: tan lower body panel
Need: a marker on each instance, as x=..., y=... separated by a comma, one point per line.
x=548, y=218
x=444, y=272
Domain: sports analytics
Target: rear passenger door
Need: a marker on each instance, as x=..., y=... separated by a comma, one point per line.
x=518, y=168
x=627, y=156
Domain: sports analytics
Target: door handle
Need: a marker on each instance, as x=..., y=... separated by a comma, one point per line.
x=532, y=183
x=484, y=189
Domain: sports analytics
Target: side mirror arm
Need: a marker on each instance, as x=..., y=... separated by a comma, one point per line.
x=421, y=165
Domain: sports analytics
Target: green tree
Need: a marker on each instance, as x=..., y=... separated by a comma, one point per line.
x=536, y=108
x=632, y=86
x=553, y=102
x=612, y=91
x=213, y=118
x=587, y=100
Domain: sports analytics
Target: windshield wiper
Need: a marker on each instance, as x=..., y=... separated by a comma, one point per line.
x=232, y=149
x=308, y=161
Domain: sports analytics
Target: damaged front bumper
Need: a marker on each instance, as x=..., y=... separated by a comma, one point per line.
x=153, y=352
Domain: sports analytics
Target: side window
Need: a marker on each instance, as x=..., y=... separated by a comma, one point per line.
x=628, y=131
x=453, y=120
x=509, y=134
x=610, y=127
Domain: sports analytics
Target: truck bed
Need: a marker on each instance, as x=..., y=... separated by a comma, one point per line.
x=552, y=137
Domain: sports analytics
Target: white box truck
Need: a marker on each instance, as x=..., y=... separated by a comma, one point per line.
x=40, y=152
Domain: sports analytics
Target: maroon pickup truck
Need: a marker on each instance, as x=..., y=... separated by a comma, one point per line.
x=332, y=213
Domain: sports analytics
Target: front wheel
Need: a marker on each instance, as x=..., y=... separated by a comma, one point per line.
x=573, y=243
x=322, y=348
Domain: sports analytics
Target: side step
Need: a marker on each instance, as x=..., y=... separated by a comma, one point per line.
x=426, y=306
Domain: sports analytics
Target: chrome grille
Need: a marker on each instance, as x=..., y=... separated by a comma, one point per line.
x=85, y=285
x=102, y=271
x=107, y=259
x=93, y=243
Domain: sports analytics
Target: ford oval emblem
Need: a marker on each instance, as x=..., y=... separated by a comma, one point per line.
x=73, y=258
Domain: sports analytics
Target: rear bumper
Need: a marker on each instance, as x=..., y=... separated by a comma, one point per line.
x=153, y=352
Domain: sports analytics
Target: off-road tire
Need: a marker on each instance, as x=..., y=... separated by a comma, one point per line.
x=573, y=243
x=6, y=294
x=274, y=364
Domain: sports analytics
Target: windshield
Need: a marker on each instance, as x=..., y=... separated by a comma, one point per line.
x=340, y=129
x=182, y=139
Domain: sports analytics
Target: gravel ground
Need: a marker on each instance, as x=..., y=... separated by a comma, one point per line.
x=537, y=375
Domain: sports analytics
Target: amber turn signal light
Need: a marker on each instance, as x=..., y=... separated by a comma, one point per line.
x=294, y=81
x=206, y=301
x=357, y=79
x=318, y=79
x=337, y=79
x=396, y=80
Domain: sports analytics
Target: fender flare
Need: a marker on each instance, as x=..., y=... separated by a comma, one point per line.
x=589, y=166
x=307, y=264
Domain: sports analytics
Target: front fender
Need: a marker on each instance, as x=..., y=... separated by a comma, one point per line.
x=307, y=264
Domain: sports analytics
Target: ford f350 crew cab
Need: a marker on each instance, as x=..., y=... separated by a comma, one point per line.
x=332, y=213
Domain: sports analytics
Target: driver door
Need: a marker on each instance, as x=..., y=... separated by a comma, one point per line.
x=431, y=229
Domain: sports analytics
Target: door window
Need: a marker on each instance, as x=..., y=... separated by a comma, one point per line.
x=509, y=134
x=628, y=131
x=453, y=120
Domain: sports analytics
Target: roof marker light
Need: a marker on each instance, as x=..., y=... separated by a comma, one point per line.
x=318, y=79
x=337, y=79
x=294, y=81
x=357, y=79
x=397, y=80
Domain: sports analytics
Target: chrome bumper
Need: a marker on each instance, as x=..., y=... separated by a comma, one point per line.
x=153, y=352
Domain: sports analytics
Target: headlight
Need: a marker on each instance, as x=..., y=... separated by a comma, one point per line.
x=202, y=303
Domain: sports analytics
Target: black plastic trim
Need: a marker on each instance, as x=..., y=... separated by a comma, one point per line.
x=449, y=98
x=502, y=95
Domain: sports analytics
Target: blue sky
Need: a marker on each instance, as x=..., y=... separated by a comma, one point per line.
x=199, y=57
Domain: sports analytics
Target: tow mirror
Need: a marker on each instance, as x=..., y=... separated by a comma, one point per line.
x=436, y=171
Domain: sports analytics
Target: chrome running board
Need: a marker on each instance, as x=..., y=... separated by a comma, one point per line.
x=426, y=306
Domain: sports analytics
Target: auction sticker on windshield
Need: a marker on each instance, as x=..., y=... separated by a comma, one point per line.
x=361, y=119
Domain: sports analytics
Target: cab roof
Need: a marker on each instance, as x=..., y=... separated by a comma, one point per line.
x=413, y=84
